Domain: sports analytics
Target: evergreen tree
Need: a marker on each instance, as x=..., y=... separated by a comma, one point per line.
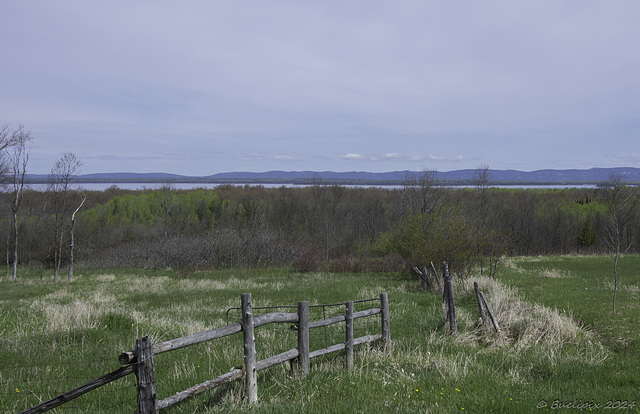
x=588, y=237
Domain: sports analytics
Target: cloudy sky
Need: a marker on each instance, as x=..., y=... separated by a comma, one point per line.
x=200, y=87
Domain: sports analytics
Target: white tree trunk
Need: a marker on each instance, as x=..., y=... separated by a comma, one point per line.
x=71, y=240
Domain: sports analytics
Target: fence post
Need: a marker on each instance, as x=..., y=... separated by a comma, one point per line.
x=491, y=316
x=250, y=373
x=435, y=274
x=349, y=334
x=480, y=305
x=146, y=377
x=303, y=338
x=451, y=304
x=386, y=332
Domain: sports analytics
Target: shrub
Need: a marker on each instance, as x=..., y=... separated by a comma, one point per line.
x=348, y=264
x=307, y=261
x=437, y=237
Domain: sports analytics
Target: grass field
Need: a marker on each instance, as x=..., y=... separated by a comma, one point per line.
x=560, y=343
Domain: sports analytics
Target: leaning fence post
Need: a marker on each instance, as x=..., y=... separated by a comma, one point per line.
x=480, y=305
x=386, y=332
x=491, y=316
x=303, y=337
x=250, y=373
x=146, y=377
x=349, y=334
x=451, y=304
x=435, y=274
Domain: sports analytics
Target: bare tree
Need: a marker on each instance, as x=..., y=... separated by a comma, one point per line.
x=60, y=178
x=72, y=225
x=481, y=178
x=327, y=212
x=16, y=154
x=623, y=202
x=421, y=193
x=8, y=139
x=166, y=198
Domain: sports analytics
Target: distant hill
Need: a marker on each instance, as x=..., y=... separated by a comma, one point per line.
x=115, y=177
x=128, y=176
x=548, y=176
x=592, y=175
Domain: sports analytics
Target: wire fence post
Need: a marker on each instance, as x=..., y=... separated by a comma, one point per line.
x=386, y=330
x=250, y=372
x=303, y=338
x=349, y=334
x=146, y=377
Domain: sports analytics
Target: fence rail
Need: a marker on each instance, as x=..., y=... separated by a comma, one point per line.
x=81, y=390
x=141, y=360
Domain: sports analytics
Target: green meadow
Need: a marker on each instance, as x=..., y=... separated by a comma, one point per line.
x=560, y=346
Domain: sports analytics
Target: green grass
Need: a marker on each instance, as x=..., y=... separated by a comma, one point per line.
x=583, y=286
x=559, y=339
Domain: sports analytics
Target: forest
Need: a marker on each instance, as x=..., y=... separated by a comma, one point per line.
x=337, y=228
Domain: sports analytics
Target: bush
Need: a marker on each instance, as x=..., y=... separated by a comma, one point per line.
x=392, y=262
x=307, y=261
x=348, y=264
x=220, y=248
x=423, y=238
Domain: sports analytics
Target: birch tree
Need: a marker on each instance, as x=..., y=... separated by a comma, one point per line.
x=72, y=225
x=17, y=159
x=8, y=138
x=60, y=179
x=623, y=202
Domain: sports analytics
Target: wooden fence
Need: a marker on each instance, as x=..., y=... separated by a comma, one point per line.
x=141, y=360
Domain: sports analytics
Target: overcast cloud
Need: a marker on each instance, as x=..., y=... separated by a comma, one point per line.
x=200, y=87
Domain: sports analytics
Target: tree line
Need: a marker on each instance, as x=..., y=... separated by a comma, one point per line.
x=311, y=228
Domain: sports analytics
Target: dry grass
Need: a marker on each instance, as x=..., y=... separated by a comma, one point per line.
x=513, y=263
x=622, y=287
x=64, y=312
x=525, y=326
x=553, y=274
x=528, y=332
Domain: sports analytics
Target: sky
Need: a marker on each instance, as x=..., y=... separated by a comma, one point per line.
x=202, y=87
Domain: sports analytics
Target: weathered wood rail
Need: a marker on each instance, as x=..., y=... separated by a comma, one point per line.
x=81, y=390
x=141, y=359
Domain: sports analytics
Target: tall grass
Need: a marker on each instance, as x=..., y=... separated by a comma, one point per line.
x=556, y=340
